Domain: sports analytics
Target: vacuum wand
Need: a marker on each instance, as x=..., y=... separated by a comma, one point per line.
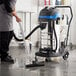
x=22, y=33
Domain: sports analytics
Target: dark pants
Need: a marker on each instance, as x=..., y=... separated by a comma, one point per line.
x=5, y=38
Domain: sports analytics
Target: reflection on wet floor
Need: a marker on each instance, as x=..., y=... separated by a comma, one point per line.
x=58, y=67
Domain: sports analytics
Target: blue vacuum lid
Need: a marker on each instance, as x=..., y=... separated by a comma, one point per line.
x=52, y=17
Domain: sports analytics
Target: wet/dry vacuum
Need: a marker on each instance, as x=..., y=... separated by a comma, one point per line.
x=48, y=17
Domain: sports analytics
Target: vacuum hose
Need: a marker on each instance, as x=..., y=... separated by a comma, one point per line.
x=55, y=38
x=42, y=26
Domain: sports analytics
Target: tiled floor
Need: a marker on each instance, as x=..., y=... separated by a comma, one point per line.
x=58, y=67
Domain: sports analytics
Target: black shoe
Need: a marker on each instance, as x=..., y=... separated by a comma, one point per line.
x=8, y=59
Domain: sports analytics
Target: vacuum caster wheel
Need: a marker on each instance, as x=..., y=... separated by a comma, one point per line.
x=47, y=59
x=65, y=57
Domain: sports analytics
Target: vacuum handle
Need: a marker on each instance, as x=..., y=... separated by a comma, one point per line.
x=66, y=40
x=70, y=11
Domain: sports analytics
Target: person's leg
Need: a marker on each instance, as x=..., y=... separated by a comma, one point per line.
x=4, y=44
x=5, y=41
x=10, y=37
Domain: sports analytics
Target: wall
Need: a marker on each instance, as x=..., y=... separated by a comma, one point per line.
x=26, y=5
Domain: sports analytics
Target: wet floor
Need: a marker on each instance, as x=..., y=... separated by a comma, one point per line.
x=57, y=67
